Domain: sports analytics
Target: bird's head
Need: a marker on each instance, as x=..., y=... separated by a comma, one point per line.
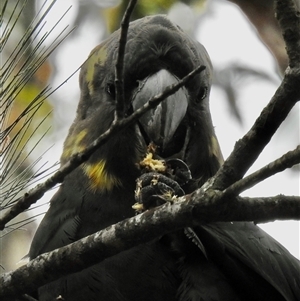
x=158, y=53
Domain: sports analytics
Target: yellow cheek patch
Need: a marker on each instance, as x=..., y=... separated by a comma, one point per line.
x=98, y=56
x=73, y=144
x=99, y=178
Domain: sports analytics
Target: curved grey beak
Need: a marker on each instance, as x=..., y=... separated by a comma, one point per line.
x=161, y=122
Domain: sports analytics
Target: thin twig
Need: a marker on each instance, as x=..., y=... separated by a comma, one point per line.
x=288, y=160
x=119, y=69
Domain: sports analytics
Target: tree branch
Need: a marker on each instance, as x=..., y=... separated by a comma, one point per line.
x=289, y=207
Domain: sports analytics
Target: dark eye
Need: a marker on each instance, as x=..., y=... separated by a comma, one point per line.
x=202, y=93
x=110, y=89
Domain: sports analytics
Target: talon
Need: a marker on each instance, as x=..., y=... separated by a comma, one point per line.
x=179, y=170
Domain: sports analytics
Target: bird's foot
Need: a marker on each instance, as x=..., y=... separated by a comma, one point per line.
x=157, y=187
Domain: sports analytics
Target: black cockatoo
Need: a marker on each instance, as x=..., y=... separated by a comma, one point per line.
x=231, y=261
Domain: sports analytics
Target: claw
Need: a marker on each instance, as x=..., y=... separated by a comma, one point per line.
x=190, y=233
x=180, y=170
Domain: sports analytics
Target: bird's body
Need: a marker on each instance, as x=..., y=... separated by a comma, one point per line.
x=240, y=261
